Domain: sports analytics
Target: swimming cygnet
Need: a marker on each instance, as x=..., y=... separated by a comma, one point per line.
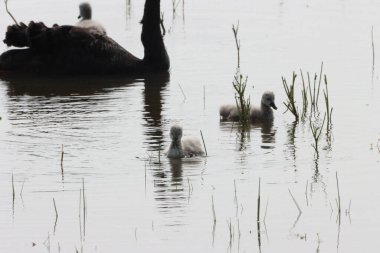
x=229, y=112
x=86, y=22
x=264, y=112
x=183, y=147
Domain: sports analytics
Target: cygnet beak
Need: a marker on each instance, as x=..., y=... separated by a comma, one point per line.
x=79, y=16
x=273, y=106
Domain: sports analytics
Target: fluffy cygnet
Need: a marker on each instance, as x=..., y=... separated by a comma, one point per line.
x=257, y=114
x=228, y=112
x=264, y=112
x=183, y=147
x=85, y=13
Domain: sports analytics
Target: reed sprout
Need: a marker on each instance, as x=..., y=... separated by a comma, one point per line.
x=162, y=24
x=319, y=83
x=258, y=216
x=9, y=13
x=235, y=30
x=22, y=188
x=338, y=198
x=291, y=102
x=213, y=209
x=62, y=153
x=329, y=109
x=243, y=104
x=258, y=202
x=183, y=93
x=373, y=53
x=175, y=5
x=56, y=214
x=239, y=84
x=204, y=144
x=13, y=189
x=295, y=202
x=316, y=130
x=266, y=210
x=310, y=92
x=305, y=101
x=82, y=210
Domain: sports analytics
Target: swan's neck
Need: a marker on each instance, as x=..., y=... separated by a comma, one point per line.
x=266, y=111
x=175, y=149
x=155, y=54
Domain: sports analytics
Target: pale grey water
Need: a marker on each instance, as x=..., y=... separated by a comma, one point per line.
x=111, y=126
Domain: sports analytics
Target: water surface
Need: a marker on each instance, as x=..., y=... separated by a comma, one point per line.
x=112, y=129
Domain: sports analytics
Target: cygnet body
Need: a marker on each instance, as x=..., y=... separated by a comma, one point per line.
x=257, y=114
x=183, y=147
x=229, y=112
x=264, y=113
x=85, y=13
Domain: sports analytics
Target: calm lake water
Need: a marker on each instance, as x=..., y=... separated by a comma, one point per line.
x=112, y=128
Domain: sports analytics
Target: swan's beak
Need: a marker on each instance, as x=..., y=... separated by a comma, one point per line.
x=273, y=106
x=79, y=16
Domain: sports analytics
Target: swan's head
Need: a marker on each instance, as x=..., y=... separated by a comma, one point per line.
x=268, y=99
x=176, y=132
x=84, y=11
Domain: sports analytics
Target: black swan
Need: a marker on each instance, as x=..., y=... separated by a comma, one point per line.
x=264, y=113
x=85, y=13
x=75, y=50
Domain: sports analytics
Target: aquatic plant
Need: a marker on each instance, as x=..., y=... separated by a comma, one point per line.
x=373, y=53
x=295, y=202
x=327, y=103
x=9, y=13
x=316, y=130
x=310, y=99
x=243, y=105
x=338, y=197
x=56, y=215
x=204, y=144
x=258, y=202
x=213, y=209
x=162, y=24
x=175, y=5
x=305, y=101
x=62, y=153
x=13, y=189
x=239, y=84
x=291, y=102
x=312, y=89
x=235, y=30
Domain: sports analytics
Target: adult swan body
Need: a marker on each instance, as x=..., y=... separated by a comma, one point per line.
x=75, y=50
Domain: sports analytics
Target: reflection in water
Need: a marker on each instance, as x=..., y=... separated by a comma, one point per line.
x=128, y=8
x=291, y=146
x=173, y=188
x=176, y=171
x=268, y=134
x=317, y=179
x=63, y=85
x=153, y=102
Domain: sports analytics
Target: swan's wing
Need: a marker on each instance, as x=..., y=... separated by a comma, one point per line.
x=64, y=49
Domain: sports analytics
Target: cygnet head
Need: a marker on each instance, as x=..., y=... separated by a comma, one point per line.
x=268, y=99
x=84, y=11
x=176, y=133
